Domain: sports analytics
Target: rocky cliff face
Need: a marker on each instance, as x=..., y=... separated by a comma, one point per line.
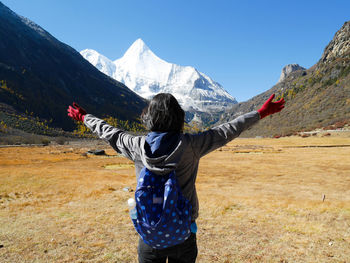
x=339, y=46
x=287, y=70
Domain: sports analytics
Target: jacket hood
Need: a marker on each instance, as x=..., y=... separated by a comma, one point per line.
x=161, y=151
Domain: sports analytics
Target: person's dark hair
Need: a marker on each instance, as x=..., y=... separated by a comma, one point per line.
x=163, y=114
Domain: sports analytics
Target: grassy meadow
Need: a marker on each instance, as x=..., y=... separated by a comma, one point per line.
x=261, y=200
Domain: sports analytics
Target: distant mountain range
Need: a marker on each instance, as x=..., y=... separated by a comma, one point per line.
x=315, y=97
x=42, y=76
x=146, y=74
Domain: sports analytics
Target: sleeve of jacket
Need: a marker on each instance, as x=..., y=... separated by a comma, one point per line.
x=126, y=144
x=205, y=142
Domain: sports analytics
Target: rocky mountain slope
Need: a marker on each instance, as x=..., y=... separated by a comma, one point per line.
x=146, y=74
x=42, y=76
x=315, y=97
x=287, y=70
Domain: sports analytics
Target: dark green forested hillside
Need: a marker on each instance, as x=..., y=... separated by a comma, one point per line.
x=42, y=76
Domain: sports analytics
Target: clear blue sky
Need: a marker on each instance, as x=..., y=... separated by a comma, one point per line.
x=243, y=45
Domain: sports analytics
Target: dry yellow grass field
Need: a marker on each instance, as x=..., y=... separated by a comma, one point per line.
x=261, y=200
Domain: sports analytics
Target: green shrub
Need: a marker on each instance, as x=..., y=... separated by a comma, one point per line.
x=45, y=141
x=61, y=140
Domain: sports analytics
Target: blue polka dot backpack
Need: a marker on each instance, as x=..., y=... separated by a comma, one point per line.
x=163, y=213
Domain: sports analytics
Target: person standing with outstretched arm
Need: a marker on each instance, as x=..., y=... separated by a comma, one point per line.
x=166, y=148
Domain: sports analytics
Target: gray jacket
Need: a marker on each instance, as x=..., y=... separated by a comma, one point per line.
x=182, y=154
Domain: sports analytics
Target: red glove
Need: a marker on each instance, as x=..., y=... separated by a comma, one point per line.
x=76, y=113
x=270, y=107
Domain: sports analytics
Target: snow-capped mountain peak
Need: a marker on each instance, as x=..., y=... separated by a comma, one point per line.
x=141, y=70
x=103, y=64
x=147, y=74
x=139, y=49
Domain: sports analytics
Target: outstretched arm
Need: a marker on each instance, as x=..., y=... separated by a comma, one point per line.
x=217, y=137
x=122, y=142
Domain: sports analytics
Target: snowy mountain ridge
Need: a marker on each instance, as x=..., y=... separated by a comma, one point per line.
x=146, y=74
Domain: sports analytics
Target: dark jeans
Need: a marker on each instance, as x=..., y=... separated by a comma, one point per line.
x=185, y=252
